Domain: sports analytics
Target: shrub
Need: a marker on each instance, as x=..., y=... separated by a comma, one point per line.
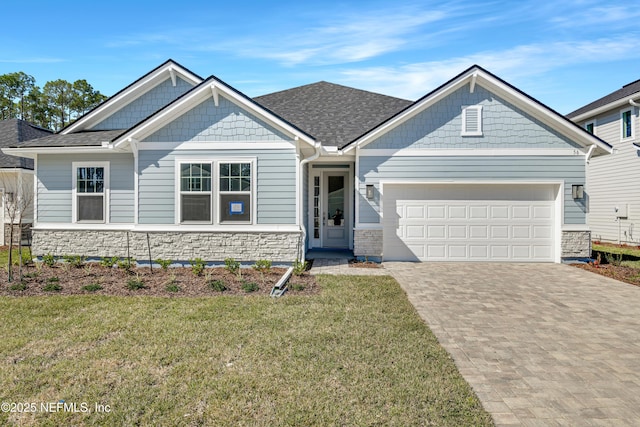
x=613, y=259
x=232, y=265
x=109, y=262
x=49, y=260
x=52, y=287
x=126, y=264
x=53, y=279
x=135, y=283
x=76, y=261
x=18, y=287
x=217, y=285
x=172, y=287
x=250, y=287
x=197, y=266
x=92, y=287
x=164, y=263
x=262, y=265
x=299, y=267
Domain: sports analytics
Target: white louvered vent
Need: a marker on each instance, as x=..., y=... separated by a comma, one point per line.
x=472, y=121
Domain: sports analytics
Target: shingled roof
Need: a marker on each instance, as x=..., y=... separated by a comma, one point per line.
x=625, y=91
x=13, y=132
x=333, y=114
x=78, y=139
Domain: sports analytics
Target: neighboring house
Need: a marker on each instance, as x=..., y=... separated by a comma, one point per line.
x=187, y=167
x=614, y=181
x=16, y=175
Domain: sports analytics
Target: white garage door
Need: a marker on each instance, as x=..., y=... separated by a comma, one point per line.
x=483, y=222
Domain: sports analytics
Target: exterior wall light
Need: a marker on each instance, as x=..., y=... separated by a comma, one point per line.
x=369, y=192
x=577, y=191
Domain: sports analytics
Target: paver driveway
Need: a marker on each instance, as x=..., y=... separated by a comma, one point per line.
x=541, y=344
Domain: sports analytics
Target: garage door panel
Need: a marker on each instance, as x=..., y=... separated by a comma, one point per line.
x=458, y=229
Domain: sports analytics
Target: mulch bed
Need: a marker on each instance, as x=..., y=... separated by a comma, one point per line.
x=183, y=282
x=619, y=272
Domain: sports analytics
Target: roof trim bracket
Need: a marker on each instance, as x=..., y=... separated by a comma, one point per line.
x=172, y=73
x=214, y=92
x=474, y=77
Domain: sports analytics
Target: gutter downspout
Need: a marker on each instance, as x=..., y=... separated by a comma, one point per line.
x=301, y=219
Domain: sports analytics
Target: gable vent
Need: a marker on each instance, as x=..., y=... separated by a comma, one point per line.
x=472, y=121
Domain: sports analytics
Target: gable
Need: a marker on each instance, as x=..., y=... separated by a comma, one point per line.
x=145, y=105
x=440, y=126
x=224, y=122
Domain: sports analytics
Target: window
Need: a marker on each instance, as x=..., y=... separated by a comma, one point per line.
x=627, y=123
x=90, y=187
x=472, y=120
x=235, y=192
x=590, y=127
x=195, y=192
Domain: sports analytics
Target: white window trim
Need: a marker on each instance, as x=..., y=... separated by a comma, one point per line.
x=622, y=135
x=74, y=192
x=478, y=108
x=215, y=192
x=591, y=122
x=179, y=191
x=251, y=192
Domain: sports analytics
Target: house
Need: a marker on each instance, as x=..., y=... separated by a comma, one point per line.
x=177, y=166
x=16, y=176
x=614, y=181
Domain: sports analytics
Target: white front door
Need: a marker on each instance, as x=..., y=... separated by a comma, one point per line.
x=335, y=215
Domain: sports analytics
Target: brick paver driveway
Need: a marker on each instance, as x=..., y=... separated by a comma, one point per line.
x=541, y=344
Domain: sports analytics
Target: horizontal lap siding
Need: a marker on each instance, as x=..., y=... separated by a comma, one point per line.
x=373, y=169
x=275, y=183
x=55, y=186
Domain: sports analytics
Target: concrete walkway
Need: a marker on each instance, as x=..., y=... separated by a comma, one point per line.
x=341, y=266
x=541, y=344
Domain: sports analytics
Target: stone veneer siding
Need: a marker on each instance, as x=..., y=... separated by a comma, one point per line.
x=176, y=246
x=576, y=244
x=367, y=243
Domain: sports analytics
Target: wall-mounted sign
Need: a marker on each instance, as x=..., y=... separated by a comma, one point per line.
x=236, y=208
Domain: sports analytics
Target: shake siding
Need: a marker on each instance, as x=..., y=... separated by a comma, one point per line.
x=274, y=180
x=614, y=180
x=55, y=184
x=373, y=169
x=145, y=105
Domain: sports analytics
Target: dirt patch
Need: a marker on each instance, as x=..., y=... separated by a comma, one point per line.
x=363, y=264
x=63, y=279
x=619, y=272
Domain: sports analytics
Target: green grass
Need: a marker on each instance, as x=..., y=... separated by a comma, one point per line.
x=625, y=250
x=356, y=354
x=4, y=256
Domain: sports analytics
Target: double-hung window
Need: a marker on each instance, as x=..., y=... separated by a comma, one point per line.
x=90, y=191
x=195, y=192
x=235, y=192
x=626, y=117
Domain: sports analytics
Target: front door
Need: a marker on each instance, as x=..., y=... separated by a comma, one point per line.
x=335, y=216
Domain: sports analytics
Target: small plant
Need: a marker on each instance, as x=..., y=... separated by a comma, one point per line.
x=262, y=265
x=172, y=287
x=92, y=287
x=18, y=287
x=164, y=263
x=232, y=266
x=49, y=260
x=249, y=287
x=613, y=259
x=109, y=261
x=135, y=283
x=197, y=266
x=31, y=275
x=52, y=285
x=299, y=267
x=126, y=264
x=297, y=286
x=217, y=285
x=75, y=261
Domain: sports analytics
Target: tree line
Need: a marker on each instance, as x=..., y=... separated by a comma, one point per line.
x=53, y=106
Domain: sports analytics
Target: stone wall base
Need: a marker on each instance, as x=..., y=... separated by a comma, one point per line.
x=367, y=243
x=25, y=234
x=176, y=246
x=576, y=244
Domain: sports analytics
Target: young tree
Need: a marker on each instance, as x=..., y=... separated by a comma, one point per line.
x=17, y=201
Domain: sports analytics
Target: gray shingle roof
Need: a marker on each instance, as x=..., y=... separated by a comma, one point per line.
x=333, y=114
x=78, y=139
x=626, y=90
x=12, y=133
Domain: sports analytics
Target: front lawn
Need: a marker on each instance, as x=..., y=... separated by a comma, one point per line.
x=356, y=353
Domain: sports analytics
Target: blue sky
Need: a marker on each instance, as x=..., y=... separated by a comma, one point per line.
x=565, y=54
